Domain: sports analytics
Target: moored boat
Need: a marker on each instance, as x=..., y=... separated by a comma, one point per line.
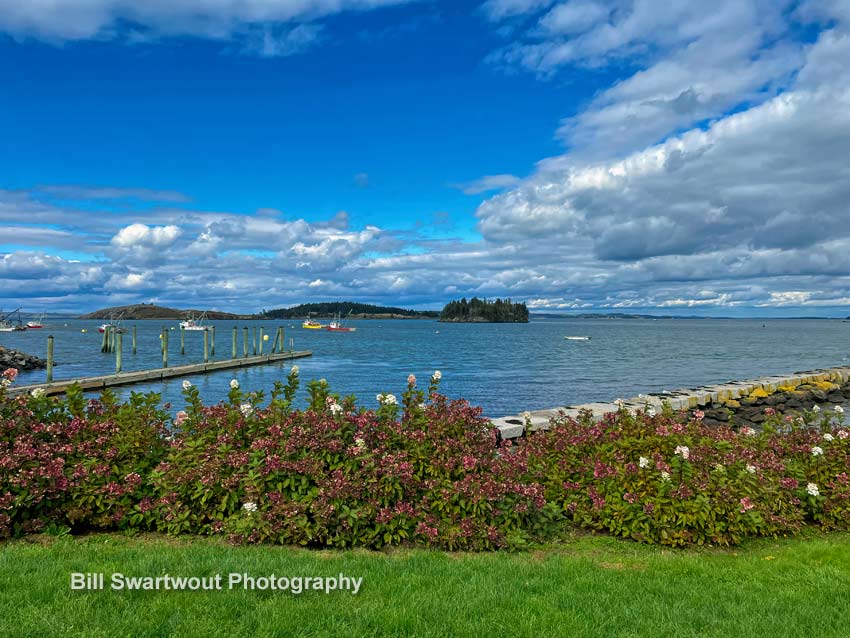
x=312, y=325
x=336, y=326
x=35, y=324
x=577, y=338
x=195, y=324
x=6, y=324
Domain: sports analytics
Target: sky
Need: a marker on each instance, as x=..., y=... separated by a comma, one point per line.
x=671, y=157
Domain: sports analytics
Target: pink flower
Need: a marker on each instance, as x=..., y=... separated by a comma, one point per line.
x=843, y=434
x=181, y=417
x=769, y=411
x=411, y=380
x=746, y=504
x=699, y=415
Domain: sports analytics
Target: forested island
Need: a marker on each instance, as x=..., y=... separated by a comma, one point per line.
x=348, y=309
x=483, y=311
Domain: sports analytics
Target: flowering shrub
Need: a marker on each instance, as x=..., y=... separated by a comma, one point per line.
x=76, y=464
x=656, y=479
x=416, y=468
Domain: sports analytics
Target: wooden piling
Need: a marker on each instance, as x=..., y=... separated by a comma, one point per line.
x=119, y=347
x=245, y=342
x=164, y=347
x=254, y=341
x=134, y=338
x=212, y=341
x=260, y=341
x=103, y=340
x=233, y=351
x=206, y=346
x=182, y=340
x=50, y=358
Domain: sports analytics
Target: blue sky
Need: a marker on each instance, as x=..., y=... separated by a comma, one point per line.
x=577, y=155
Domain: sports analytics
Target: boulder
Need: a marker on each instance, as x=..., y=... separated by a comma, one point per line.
x=19, y=360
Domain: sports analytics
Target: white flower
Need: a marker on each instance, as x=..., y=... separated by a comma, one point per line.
x=719, y=467
x=816, y=408
x=827, y=437
x=643, y=462
x=665, y=476
x=249, y=507
x=379, y=398
x=650, y=410
x=37, y=393
x=187, y=384
x=5, y=382
x=748, y=431
x=619, y=403
x=812, y=489
x=246, y=409
x=234, y=384
x=751, y=469
x=294, y=370
x=816, y=451
x=684, y=451
x=422, y=406
x=335, y=408
x=838, y=409
x=389, y=399
x=437, y=375
x=526, y=416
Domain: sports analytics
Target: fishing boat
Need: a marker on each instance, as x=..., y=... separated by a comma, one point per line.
x=36, y=323
x=577, y=338
x=336, y=326
x=113, y=324
x=195, y=324
x=7, y=325
x=312, y=325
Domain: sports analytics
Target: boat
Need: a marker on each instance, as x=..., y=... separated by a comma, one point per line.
x=6, y=324
x=36, y=323
x=195, y=324
x=336, y=326
x=312, y=325
x=113, y=324
x=577, y=338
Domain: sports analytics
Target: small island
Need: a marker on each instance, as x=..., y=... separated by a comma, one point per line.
x=483, y=311
x=143, y=311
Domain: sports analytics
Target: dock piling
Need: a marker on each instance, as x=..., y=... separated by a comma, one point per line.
x=260, y=341
x=49, y=358
x=182, y=340
x=212, y=340
x=134, y=338
x=245, y=342
x=164, y=348
x=206, y=346
x=254, y=334
x=233, y=352
x=103, y=340
x=118, y=352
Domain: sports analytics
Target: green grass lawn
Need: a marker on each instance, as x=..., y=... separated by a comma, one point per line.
x=592, y=586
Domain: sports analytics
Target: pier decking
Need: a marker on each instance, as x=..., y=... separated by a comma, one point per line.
x=157, y=374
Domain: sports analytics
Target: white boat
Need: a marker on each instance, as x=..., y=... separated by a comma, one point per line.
x=6, y=324
x=577, y=338
x=195, y=324
x=36, y=323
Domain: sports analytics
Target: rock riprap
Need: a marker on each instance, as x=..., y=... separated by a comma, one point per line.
x=10, y=358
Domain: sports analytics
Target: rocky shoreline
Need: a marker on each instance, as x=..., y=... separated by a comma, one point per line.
x=20, y=360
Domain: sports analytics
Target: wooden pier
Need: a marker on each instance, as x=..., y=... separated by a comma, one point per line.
x=157, y=374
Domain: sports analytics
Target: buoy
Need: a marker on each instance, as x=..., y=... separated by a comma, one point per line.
x=265, y=337
x=83, y=330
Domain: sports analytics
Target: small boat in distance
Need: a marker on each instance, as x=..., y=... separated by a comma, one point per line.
x=336, y=326
x=36, y=323
x=576, y=338
x=312, y=325
x=195, y=324
x=114, y=324
x=6, y=324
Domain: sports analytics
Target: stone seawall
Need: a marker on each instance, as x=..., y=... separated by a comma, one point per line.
x=737, y=403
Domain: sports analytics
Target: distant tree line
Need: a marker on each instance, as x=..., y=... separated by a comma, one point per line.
x=475, y=309
x=331, y=308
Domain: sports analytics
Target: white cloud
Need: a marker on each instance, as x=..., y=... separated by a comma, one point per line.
x=64, y=20
x=488, y=183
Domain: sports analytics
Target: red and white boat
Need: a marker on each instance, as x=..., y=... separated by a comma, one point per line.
x=36, y=323
x=336, y=326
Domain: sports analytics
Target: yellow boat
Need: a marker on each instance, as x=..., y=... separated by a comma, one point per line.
x=312, y=325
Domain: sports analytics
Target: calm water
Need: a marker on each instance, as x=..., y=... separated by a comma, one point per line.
x=505, y=368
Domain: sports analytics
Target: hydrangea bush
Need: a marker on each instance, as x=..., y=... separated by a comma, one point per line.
x=414, y=469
